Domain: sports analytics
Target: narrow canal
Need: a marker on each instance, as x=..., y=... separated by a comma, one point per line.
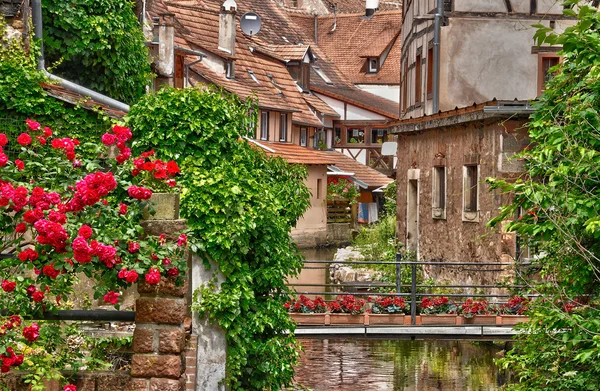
x=400, y=365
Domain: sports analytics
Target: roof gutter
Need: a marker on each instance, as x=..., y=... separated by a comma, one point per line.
x=36, y=13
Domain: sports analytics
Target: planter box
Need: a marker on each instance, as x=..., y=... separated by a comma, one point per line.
x=442, y=319
x=480, y=319
x=310, y=319
x=342, y=319
x=388, y=319
x=511, y=320
x=165, y=206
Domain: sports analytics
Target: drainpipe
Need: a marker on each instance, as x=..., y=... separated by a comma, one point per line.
x=36, y=14
x=316, y=29
x=439, y=16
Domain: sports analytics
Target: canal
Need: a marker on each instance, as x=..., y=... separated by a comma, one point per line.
x=399, y=365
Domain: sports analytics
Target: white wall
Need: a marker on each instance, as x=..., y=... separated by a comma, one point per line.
x=385, y=91
x=350, y=112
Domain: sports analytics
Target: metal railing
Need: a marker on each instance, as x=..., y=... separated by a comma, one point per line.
x=414, y=290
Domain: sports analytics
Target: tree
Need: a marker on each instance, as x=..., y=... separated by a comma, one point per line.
x=242, y=204
x=558, y=203
x=98, y=44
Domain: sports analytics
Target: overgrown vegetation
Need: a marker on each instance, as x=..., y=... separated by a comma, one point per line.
x=559, y=202
x=98, y=44
x=242, y=204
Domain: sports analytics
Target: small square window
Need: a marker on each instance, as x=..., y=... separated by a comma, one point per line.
x=373, y=65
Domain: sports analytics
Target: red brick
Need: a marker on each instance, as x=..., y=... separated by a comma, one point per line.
x=171, y=340
x=167, y=385
x=156, y=366
x=166, y=286
x=143, y=340
x=138, y=385
x=159, y=310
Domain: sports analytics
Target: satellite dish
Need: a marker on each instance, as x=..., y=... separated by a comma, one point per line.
x=250, y=23
x=389, y=148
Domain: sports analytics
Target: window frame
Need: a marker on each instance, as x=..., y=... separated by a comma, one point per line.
x=429, y=87
x=541, y=75
x=264, y=125
x=370, y=61
x=418, y=80
x=439, y=187
x=283, y=126
x=471, y=204
x=303, y=137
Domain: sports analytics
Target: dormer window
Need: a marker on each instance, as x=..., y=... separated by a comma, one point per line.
x=373, y=65
x=229, y=70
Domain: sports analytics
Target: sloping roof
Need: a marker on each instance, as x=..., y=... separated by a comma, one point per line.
x=317, y=103
x=373, y=178
x=358, y=6
x=354, y=39
x=296, y=154
x=197, y=27
x=74, y=98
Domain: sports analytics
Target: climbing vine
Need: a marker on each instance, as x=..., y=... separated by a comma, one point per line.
x=98, y=44
x=241, y=203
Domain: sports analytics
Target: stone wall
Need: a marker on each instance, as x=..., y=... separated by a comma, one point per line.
x=86, y=381
x=453, y=238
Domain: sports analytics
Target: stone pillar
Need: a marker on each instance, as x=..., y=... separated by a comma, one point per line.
x=159, y=338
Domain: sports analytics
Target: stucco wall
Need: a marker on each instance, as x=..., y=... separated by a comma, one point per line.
x=452, y=239
x=385, y=91
x=314, y=221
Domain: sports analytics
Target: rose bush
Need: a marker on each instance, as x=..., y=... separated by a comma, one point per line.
x=63, y=215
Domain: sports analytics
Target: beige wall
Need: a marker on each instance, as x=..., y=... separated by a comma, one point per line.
x=274, y=121
x=316, y=216
x=482, y=56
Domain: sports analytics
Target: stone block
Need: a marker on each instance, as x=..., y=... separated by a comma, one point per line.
x=171, y=340
x=148, y=366
x=171, y=228
x=138, y=385
x=166, y=287
x=143, y=340
x=115, y=381
x=160, y=310
x=167, y=385
x=86, y=384
x=165, y=206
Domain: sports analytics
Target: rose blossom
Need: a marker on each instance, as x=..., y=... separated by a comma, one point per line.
x=37, y=296
x=32, y=332
x=85, y=231
x=19, y=164
x=8, y=286
x=32, y=124
x=112, y=297
x=3, y=140
x=123, y=209
x=20, y=228
x=153, y=276
x=24, y=139
x=108, y=139
x=133, y=247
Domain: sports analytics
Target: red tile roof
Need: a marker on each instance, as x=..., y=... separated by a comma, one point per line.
x=296, y=154
x=373, y=178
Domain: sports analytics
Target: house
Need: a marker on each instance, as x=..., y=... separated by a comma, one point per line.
x=202, y=43
x=463, y=113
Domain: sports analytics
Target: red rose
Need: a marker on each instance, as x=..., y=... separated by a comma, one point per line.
x=3, y=159
x=153, y=276
x=38, y=296
x=20, y=228
x=108, y=139
x=19, y=164
x=50, y=271
x=131, y=276
x=182, y=240
x=111, y=297
x=172, y=168
x=173, y=272
x=85, y=231
x=32, y=332
x=8, y=286
x=32, y=124
x=47, y=131
x=24, y=139
x=70, y=387
x=3, y=140
x=133, y=247
x=123, y=209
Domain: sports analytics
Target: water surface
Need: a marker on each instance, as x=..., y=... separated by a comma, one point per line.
x=377, y=365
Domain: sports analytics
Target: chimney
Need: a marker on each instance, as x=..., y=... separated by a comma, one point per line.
x=165, y=62
x=371, y=7
x=227, y=26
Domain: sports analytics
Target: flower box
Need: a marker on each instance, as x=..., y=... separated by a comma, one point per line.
x=479, y=319
x=388, y=319
x=347, y=319
x=511, y=320
x=439, y=319
x=165, y=206
x=309, y=319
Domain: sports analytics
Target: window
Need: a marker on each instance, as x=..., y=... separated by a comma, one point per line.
x=253, y=76
x=378, y=136
x=305, y=77
x=303, y=137
x=418, y=80
x=322, y=75
x=429, y=72
x=355, y=136
x=320, y=140
x=283, y=127
x=438, y=202
x=338, y=136
x=545, y=63
x=319, y=185
x=229, y=70
x=471, y=192
x=373, y=65
x=264, y=126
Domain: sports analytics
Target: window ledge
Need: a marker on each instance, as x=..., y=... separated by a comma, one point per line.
x=470, y=217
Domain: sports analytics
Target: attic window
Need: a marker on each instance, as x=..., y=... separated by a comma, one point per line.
x=373, y=64
x=322, y=75
x=253, y=76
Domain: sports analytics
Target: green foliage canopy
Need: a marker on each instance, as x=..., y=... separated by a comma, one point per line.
x=559, y=203
x=98, y=44
x=241, y=203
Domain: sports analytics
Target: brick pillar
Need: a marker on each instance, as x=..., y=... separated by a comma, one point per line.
x=158, y=362
x=191, y=352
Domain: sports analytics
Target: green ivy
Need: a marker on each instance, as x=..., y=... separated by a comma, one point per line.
x=241, y=204
x=558, y=203
x=98, y=44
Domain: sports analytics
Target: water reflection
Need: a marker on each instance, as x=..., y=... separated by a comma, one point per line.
x=347, y=365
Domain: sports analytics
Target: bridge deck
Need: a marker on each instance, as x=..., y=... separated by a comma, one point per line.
x=407, y=332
